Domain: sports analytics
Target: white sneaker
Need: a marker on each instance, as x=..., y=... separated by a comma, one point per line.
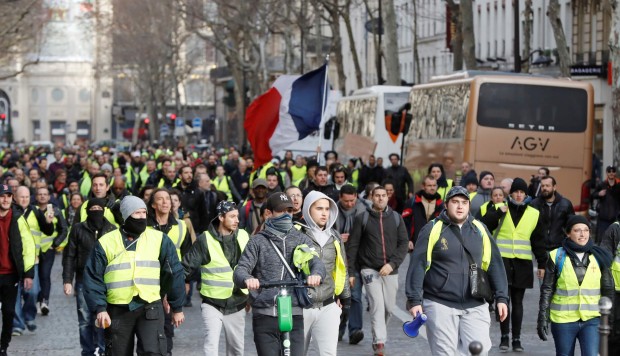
x=38, y=308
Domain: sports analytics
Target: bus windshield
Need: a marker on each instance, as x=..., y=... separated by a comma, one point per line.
x=394, y=101
x=532, y=107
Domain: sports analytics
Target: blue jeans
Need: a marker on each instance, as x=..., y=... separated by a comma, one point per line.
x=26, y=314
x=355, y=315
x=565, y=334
x=90, y=336
x=46, y=262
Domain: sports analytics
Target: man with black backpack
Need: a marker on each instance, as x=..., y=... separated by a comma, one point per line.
x=378, y=244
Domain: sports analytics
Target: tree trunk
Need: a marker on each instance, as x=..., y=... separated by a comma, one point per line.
x=614, y=57
x=416, y=54
x=553, y=12
x=391, y=44
x=356, y=62
x=469, y=39
x=527, y=36
x=457, y=39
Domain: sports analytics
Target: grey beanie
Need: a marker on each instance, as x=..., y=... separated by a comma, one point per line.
x=130, y=204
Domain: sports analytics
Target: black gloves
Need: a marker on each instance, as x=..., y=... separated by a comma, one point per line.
x=542, y=327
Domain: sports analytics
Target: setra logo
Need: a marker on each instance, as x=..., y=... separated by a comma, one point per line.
x=529, y=143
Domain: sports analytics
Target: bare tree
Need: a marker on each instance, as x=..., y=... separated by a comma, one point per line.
x=392, y=60
x=527, y=35
x=416, y=54
x=332, y=15
x=469, y=39
x=346, y=18
x=456, y=42
x=553, y=12
x=21, y=22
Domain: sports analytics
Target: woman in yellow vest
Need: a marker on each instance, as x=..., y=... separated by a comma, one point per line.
x=443, y=184
x=576, y=276
x=518, y=237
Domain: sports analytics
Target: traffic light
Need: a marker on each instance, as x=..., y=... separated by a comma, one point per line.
x=173, y=117
x=147, y=121
x=3, y=117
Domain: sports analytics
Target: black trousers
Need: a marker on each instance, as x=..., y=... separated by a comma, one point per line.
x=146, y=323
x=614, y=321
x=8, y=296
x=268, y=338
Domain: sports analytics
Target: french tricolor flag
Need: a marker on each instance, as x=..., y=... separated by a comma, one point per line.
x=288, y=112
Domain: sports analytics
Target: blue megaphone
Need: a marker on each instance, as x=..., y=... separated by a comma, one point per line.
x=412, y=328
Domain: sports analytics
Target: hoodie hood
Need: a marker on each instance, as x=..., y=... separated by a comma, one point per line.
x=321, y=235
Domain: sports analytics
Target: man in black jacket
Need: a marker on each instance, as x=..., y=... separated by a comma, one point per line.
x=17, y=254
x=422, y=208
x=82, y=239
x=378, y=244
x=437, y=282
x=611, y=242
x=399, y=174
x=554, y=213
x=371, y=172
x=321, y=184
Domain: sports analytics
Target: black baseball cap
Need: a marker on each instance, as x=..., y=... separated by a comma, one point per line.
x=610, y=169
x=5, y=189
x=278, y=202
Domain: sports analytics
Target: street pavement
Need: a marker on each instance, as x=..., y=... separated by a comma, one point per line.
x=57, y=333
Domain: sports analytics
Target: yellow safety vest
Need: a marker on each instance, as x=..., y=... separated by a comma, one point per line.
x=47, y=241
x=28, y=243
x=514, y=242
x=340, y=273
x=355, y=178
x=162, y=183
x=435, y=235
x=615, y=266
x=35, y=231
x=442, y=191
x=85, y=184
x=107, y=213
x=176, y=235
x=132, y=273
x=571, y=301
x=485, y=206
x=217, y=275
x=144, y=175
x=222, y=186
x=299, y=173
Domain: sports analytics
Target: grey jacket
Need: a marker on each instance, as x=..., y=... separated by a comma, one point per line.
x=260, y=261
x=327, y=252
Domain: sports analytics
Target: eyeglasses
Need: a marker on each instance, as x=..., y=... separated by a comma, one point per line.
x=581, y=231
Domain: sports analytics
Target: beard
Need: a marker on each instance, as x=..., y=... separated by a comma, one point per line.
x=546, y=194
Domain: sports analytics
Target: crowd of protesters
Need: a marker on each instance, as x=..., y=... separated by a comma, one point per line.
x=228, y=221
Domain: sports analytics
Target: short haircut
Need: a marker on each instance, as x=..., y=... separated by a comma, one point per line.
x=348, y=189
x=321, y=168
x=379, y=187
x=183, y=167
x=545, y=169
x=549, y=177
x=394, y=155
x=100, y=175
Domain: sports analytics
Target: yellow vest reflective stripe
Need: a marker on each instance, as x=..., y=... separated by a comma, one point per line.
x=107, y=213
x=435, y=235
x=132, y=273
x=222, y=186
x=571, y=301
x=299, y=173
x=442, y=191
x=339, y=274
x=35, y=231
x=217, y=275
x=144, y=175
x=514, y=242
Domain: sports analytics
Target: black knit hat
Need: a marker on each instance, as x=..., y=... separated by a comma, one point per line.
x=518, y=184
x=574, y=220
x=484, y=174
x=95, y=202
x=469, y=179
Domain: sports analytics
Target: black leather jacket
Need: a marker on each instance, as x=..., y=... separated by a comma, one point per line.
x=82, y=240
x=547, y=290
x=553, y=219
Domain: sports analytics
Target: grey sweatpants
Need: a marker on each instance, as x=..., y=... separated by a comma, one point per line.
x=381, y=293
x=450, y=330
x=234, y=330
x=321, y=325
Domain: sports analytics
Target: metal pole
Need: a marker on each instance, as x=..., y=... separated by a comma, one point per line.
x=516, y=49
x=379, y=50
x=604, y=329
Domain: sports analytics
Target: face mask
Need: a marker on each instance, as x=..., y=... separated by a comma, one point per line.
x=134, y=227
x=282, y=223
x=95, y=219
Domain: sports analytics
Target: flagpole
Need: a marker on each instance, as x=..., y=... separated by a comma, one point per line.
x=322, y=124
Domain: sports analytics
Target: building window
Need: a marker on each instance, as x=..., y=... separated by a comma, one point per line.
x=58, y=94
x=84, y=95
x=34, y=95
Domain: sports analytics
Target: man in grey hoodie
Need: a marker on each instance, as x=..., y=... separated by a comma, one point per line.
x=321, y=322
x=260, y=262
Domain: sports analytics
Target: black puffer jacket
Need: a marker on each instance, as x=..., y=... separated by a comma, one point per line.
x=553, y=219
x=82, y=240
x=548, y=287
